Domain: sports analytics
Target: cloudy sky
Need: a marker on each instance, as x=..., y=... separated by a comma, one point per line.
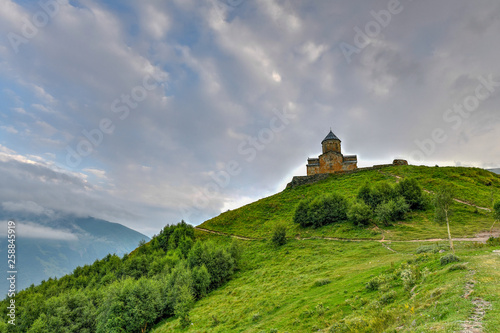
x=148, y=112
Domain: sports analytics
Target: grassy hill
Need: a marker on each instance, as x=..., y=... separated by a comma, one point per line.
x=475, y=186
x=315, y=283
x=227, y=276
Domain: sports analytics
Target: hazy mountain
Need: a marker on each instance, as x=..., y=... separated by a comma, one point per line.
x=51, y=244
x=497, y=170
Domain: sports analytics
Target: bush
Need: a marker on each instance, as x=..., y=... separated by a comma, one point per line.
x=457, y=267
x=335, y=208
x=412, y=193
x=376, y=282
x=219, y=261
x=383, y=192
x=409, y=278
x=492, y=241
x=388, y=297
x=302, y=214
x=431, y=248
x=279, y=235
x=321, y=211
x=392, y=210
x=365, y=194
x=323, y=282
x=496, y=210
x=449, y=258
x=360, y=213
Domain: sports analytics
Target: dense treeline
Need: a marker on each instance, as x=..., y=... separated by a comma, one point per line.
x=158, y=280
x=381, y=202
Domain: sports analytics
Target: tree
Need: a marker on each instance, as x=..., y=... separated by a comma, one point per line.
x=442, y=203
x=496, y=214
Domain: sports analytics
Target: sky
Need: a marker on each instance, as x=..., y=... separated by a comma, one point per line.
x=149, y=112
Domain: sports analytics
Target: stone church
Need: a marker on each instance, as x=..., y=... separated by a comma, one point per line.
x=332, y=160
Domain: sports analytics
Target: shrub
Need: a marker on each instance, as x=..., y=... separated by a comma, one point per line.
x=219, y=262
x=364, y=193
x=412, y=192
x=392, y=210
x=279, y=235
x=388, y=297
x=449, y=258
x=431, y=248
x=376, y=282
x=321, y=211
x=496, y=210
x=360, y=213
x=457, y=267
x=323, y=282
x=302, y=214
x=409, y=278
x=492, y=241
x=201, y=281
x=335, y=207
x=383, y=192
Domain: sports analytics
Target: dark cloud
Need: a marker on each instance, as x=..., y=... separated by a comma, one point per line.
x=223, y=77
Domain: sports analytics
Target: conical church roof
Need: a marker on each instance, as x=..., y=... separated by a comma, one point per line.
x=330, y=136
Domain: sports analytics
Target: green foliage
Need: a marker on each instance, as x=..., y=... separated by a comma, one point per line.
x=172, y=236
x=301, y=215
x=392, y=210
x=360, y=213
x=457, y=267
x=132, y=293
x=219, y=262
x=442, y=203
x=279, y=235
x=496, y=210
x=201, y=281
x=322, y=282
x=492, y=241
x=411, y=191
x=449, y=258
x=429, y=249
x=130, y=305
x=377, y=281
x=321, y=211
x=388, y=297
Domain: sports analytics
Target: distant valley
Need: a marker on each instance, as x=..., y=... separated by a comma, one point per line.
x=52, y=244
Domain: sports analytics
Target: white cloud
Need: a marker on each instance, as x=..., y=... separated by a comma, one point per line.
x=36, y=231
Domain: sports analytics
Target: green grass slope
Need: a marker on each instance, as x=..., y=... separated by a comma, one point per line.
x=320, y=286
x=472, y=185
x=317, y=283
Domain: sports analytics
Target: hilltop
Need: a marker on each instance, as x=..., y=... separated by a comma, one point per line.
x=475, y=188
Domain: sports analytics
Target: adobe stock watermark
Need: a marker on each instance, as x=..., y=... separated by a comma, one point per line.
x=455, y=117
x=11, y=271
x=120, y=106
x=248, y=149
x=372, y=29
x=31, y=26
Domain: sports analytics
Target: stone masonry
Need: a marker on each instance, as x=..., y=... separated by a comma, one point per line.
x=332, y=160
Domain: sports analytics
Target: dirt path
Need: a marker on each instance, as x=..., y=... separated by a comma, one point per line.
x=224, y=234
x=475, y=322
x=480, y=238
x=398, y=178
x=462, y=202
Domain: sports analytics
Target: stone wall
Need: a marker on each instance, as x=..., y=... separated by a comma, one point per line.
x=314, y=178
